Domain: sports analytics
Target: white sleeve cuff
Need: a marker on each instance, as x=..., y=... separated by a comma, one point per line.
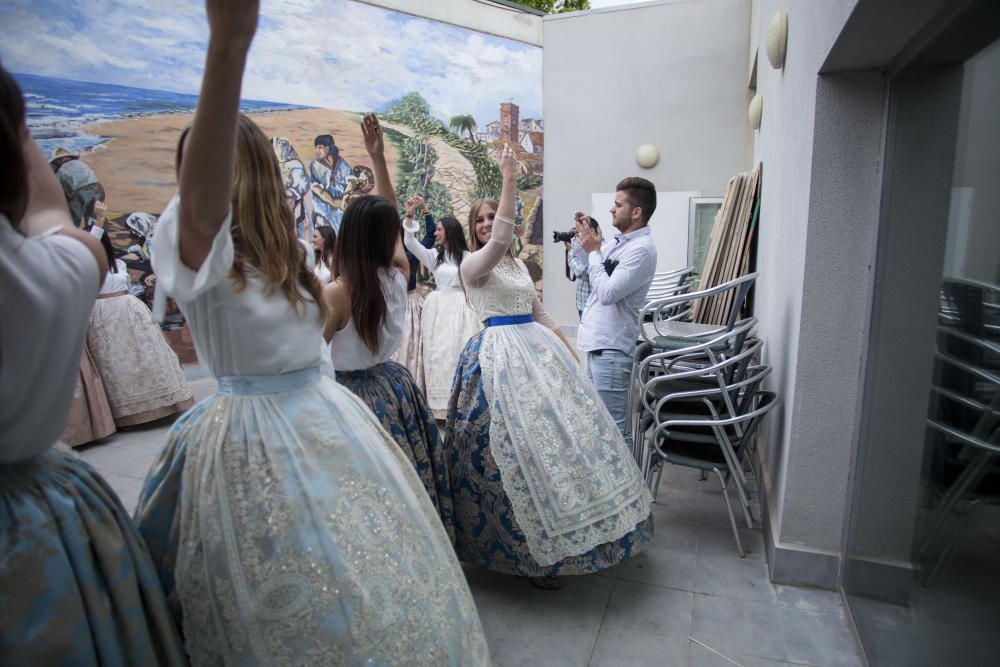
x=97, y=232
x=594, y=258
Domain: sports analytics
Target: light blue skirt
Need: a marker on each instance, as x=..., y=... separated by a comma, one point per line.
x=77, y=586
x=288, y=528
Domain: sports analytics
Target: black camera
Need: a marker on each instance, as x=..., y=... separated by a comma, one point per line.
x=566, y=237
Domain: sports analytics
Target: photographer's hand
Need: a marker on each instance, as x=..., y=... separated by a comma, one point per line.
x=589, y=240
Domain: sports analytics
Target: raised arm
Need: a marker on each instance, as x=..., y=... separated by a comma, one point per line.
x=47, y=204
x=478, y=265
x=371, y=131
x=419, y=249
x=209, y=164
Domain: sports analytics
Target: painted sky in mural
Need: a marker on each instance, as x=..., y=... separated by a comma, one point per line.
x=336, y=54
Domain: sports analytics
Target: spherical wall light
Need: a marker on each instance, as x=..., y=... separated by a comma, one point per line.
x=777, y=40
x=647, y=156
x=755, y=110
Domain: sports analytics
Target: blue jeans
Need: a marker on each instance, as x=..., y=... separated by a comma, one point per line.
x=609, y=371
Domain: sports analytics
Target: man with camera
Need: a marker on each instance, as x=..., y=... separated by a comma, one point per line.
x=620, y=272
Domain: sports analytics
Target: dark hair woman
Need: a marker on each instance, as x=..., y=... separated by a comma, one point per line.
x=324, y=239
x=62, y=530
x=368, y=298
x=447, y=322
x=285, y=522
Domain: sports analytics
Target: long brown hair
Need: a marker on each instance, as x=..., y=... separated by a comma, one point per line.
x=366, y=243
x=474, y=243
x=263, y=224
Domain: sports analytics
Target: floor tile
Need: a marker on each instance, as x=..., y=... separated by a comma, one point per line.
x=809, y=599
x=650, y=610
x=677, y=535
x=559, y=642
x=734, y=577
x=818, y=638
x=617, y=647
x=662, y=567
x=700, y=656
x=738, y=626
x=716, y=539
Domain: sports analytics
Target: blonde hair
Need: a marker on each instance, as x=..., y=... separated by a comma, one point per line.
x=263, y=227
x=474, y=243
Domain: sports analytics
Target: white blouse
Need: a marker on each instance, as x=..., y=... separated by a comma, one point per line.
x=244, y=332
x=497, y=284
x=349, y=353
x=43, y=320
x=116, y=282
x=445, y=273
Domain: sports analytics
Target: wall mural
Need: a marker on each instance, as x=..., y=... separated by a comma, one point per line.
x=110, y=86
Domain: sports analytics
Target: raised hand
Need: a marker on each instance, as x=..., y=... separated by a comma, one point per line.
x=508, y=165
x=100, y=213
x=589, y=239
x=411, y=204
x=371, y=130
x=232, y=23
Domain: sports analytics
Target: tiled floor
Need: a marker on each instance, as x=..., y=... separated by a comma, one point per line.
x=687, y=600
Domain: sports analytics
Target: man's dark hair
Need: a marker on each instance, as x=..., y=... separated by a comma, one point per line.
x=641, y=193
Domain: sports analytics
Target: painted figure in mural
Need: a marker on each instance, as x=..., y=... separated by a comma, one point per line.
x=525, y=423
x=368, y=300
x=286, y=524
x=296, y=180
x=329, y=174
x=76, y=583
x=79, y=183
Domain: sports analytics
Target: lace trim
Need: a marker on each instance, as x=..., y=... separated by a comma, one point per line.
x=314, y=548
x=564, y=464
x=508, y=291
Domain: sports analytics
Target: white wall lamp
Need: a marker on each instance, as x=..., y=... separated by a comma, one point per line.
x=755, y=110
x=647, y=156
x=777, y=40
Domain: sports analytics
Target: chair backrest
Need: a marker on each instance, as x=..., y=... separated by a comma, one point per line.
x=711, y=349
x=666, y=309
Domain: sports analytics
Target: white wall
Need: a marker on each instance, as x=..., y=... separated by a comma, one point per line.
x=812, y=314
x=670, y=74
x=483, y=16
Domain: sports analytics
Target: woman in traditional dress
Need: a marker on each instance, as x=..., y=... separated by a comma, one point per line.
x=90, y=415
x=140, y=372
x=287, y=527
x=77, y=586
x=408, y=352
x=543, y=482
x=448, y=322
x=324, y=239
x=368, y=301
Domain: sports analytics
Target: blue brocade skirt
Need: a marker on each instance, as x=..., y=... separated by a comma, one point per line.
x=392, y=394
x=77, y=586
x=289, y=529
x=486, y=531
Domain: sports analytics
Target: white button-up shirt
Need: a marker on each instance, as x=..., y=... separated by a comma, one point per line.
x=611, y=319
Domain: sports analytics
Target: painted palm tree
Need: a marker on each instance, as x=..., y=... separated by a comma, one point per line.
x=464, y=123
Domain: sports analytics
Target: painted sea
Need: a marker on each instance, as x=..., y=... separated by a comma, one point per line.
x=59, y=108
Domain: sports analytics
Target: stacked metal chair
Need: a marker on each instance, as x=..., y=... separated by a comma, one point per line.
x=696, y=394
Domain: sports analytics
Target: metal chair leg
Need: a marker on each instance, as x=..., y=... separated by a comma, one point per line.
x=732, y=517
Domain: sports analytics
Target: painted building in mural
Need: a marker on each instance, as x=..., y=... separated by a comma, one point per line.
x=314, y=69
